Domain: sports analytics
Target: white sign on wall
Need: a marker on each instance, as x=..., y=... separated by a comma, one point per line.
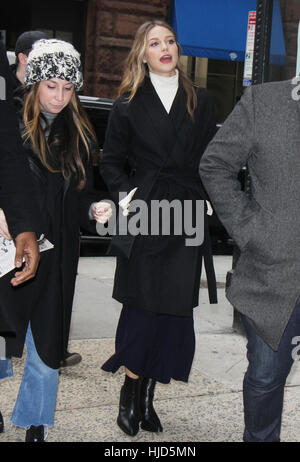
x=247, y=80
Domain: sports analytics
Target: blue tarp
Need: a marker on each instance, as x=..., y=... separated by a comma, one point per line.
x=217, y=29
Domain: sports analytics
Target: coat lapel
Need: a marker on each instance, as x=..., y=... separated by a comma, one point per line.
x=178, y=110
x=163, y=128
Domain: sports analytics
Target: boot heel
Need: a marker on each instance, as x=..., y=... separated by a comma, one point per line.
x=129, y=412
x=149, y=419
x=1, y=423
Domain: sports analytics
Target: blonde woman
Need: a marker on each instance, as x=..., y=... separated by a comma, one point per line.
x=160, y=125
x=58, y=140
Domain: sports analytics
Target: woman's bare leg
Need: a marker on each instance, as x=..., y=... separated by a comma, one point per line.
x=130, y=374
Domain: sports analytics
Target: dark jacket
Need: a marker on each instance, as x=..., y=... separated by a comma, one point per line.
x=16, y=194
x=47, y=300
x=16, y=191
x=158, y=273
x=15, y=82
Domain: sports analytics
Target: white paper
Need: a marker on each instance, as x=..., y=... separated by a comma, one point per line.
x=210, y=210
x=8, y=251
x=125, y=202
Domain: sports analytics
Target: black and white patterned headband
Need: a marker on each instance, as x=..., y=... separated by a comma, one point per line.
x=53, y=58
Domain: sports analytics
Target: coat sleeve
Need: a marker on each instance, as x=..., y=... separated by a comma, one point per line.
x=220, y=165
x=210, y=120
x=88, y=195
x=115, y=151
x=207, y=125
x=16, y=192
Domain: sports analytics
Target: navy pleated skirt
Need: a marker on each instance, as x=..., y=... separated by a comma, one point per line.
x=153, y=345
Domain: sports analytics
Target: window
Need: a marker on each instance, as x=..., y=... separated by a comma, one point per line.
x=223, y=79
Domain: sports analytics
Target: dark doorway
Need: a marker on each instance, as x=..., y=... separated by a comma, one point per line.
x=63, y=19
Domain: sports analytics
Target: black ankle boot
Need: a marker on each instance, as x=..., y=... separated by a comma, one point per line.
x=129, y=410
x=35, y=434
x=1, y=423
x=149, y=418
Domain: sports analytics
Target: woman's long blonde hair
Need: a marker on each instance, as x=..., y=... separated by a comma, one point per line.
x=136, y=70
x=77, y=133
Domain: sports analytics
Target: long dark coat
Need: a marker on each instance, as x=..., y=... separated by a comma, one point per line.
x=158, y=273
x=47, y=300
x=16, y=192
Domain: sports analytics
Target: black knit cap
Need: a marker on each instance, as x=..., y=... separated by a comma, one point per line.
x=27, y=39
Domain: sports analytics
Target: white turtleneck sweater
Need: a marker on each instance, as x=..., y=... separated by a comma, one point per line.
x=166, y=88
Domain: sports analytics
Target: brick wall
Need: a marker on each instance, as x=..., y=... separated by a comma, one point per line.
x=111, y=26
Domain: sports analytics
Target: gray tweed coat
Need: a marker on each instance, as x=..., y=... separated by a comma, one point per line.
x=263, y=131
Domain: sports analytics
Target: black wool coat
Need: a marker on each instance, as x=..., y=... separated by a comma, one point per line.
x=158, y=273
x=46, y=301
x=17, y=197
x=16, y=192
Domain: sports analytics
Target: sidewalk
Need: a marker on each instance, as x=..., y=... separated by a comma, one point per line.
x=207, y=409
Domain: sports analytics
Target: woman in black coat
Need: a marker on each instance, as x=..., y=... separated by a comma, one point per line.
x=58, y=140
x=158, y=129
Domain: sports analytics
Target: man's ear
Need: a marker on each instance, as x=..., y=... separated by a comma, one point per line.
x=22, y=58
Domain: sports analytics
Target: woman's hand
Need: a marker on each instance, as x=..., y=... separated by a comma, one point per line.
x=3, y=226
x=102, y=211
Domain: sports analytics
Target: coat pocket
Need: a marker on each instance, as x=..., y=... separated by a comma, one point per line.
x=267, y=241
